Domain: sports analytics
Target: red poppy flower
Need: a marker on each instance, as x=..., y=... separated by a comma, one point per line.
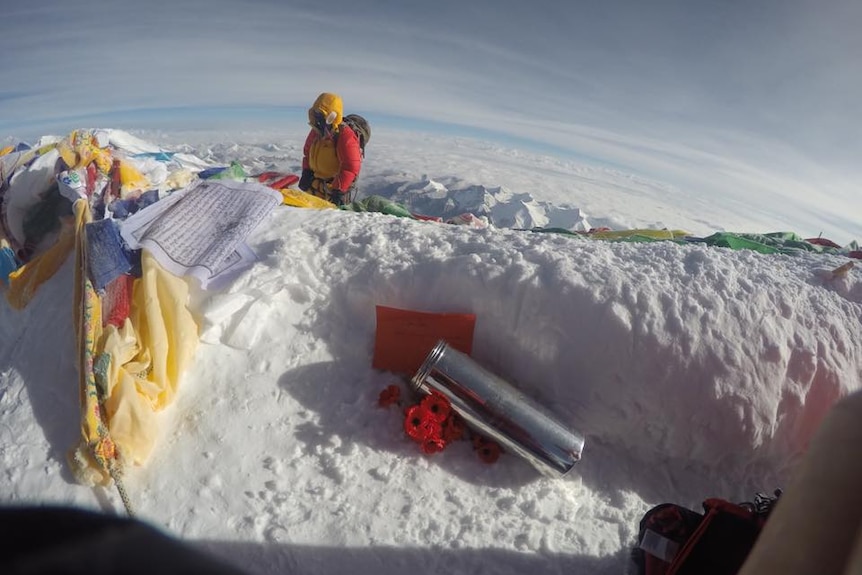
x=489, y=451
x=389, y=396
x=437, y=405
x=419, y=424
x=453, y=428
x=433, y=445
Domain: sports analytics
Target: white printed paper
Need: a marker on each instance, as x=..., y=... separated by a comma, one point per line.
x=200, y=231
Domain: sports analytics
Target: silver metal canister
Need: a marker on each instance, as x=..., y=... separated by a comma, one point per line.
x=499, y=410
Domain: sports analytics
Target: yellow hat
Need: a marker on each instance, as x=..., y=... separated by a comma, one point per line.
x=330, y=106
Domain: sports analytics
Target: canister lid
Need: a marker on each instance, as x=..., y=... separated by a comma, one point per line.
x=427, y=365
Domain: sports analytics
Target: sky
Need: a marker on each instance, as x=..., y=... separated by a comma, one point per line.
x=692, y=371
x=751, y=100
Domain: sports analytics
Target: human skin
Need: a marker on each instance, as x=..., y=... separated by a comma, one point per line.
x=816, y=526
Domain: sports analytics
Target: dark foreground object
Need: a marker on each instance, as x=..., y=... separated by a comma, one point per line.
x=41, y=540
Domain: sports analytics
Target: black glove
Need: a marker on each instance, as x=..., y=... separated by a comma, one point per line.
x=336, y=197
x=305, y=180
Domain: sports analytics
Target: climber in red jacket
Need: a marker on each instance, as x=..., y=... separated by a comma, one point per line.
x=331, y=157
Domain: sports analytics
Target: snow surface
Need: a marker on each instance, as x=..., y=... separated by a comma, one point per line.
x=692, y=371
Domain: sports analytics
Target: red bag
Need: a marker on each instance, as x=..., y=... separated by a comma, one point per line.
x=721, y=542
x=663, y=531
x=673, y=540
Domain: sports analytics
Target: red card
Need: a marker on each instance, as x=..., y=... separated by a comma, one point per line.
x=405, y=338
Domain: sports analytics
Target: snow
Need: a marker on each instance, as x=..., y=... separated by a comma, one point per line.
x=692, y=371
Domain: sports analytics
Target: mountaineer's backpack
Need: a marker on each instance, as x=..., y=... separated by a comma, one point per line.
x=675, y=540
x=360, y=127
